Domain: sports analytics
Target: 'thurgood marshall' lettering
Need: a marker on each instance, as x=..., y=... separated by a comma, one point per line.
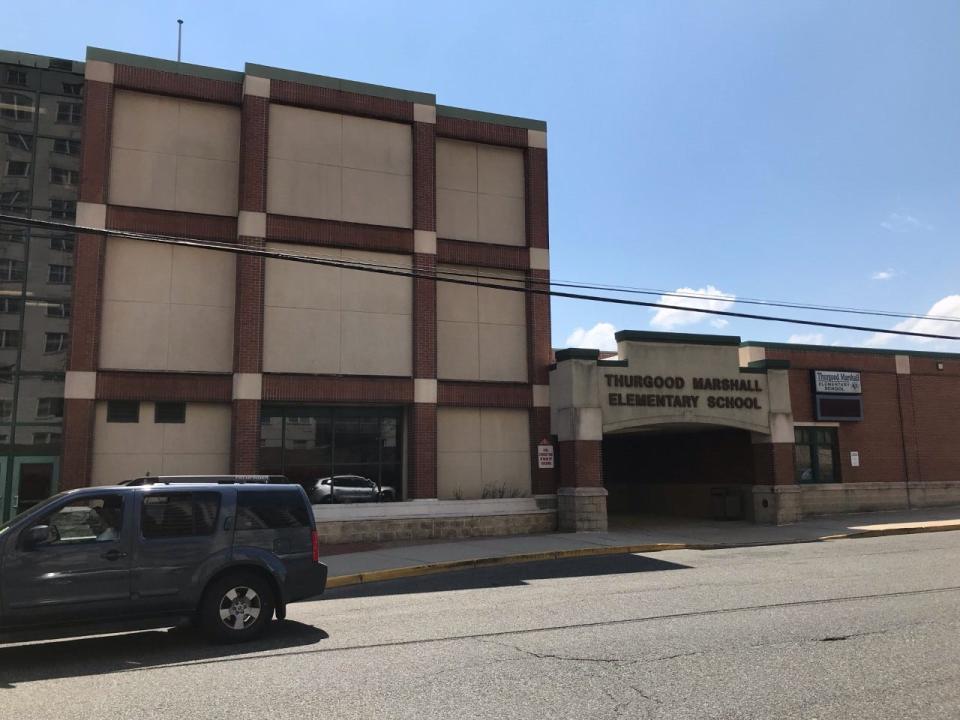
x=713, y=402
x=727, y=384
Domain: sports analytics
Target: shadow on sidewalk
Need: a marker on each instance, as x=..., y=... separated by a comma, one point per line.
x=78, y=657
x=507, y=575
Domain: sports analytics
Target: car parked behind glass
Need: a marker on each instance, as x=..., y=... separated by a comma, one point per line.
x=349, y=488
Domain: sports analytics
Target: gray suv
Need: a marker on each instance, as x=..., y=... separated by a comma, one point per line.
x=228, y=557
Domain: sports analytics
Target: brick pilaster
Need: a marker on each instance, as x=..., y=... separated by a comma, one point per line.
x=908, y=428
x=245, y=431
x=535, y=193
x=422, y=468
x=580, y=463
x=773, y=464
x=248, y=310
x=77, y=465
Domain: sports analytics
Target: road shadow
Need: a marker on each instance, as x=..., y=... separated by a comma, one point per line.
x=78, y=657
x=508, y=575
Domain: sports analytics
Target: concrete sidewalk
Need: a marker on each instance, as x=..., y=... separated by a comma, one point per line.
x=635, y=534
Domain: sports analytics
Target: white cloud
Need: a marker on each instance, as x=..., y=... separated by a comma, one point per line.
x=884, y=274
x=599, y=337
x=808, y=339
x=708, y=298
x=948, y=306
x=901, y=223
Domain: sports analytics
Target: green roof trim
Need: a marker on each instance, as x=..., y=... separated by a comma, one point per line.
x=12, y=57
x=171, y=66
x=577, y=354
x=332, y=83
x=613, y=363
x=680, y=338
x=465, y=114
x=850, y=350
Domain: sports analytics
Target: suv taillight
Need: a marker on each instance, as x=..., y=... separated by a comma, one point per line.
x=315, y=543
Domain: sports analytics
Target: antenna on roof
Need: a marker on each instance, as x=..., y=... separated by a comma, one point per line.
x=179, y=37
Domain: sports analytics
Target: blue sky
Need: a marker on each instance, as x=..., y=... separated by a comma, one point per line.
x=805, y=151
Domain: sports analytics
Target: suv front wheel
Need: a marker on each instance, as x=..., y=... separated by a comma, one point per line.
x=237, y=607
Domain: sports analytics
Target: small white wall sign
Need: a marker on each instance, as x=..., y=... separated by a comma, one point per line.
x=545, y=455
x=854, y=458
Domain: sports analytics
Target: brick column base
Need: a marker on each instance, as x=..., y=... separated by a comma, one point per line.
x=775, y=496
x=245, y=437
x=78, y=420
x=422, y=478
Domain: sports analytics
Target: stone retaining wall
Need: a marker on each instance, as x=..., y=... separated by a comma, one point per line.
x=429, y=528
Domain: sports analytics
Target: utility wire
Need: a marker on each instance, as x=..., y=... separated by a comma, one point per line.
x=539, y=287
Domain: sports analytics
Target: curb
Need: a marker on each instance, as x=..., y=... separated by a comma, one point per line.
x=339, y=581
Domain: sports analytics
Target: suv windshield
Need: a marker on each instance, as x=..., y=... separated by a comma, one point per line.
x=38, y=506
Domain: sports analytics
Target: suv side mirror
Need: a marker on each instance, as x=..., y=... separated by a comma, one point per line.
x=37, y=535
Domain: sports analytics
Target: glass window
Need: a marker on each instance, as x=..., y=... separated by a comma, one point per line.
x=10, y=306
x=167, y=515
x=6, y=409
x=11, y=270
x=14, y=200
x=170, y=412
x=69, y=113
x=816, y=451
x=9, y=338
x=18, y=168
x=58, y=310
x=97, y=519
x=62, y=209
x=20, y=141
x=66, y=147
x=63, y=176
x=49, y=407
x=59, y=274
x=14, y=106
x=16, y=77
x=55, y=342
x=63, y=243
x=275, y=510
x=73, y=88
x=123, y=411
x=47, y=438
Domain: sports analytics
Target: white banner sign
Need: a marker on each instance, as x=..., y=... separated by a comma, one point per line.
x=837, y=381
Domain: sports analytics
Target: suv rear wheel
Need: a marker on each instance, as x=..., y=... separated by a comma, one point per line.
x=237, y=607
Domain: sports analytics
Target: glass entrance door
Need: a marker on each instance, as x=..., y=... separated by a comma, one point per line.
x=34, y=480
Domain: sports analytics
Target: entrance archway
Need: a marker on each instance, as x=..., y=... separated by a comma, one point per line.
x=687, y=470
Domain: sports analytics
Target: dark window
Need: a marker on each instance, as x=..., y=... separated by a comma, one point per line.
x=61, y=64
x=6, y=409
x=20, y=141
x=66, y=147
x=167, y=515
x=10, y=306
x=73, y=89
x=816, y=455
x=62, y=176
x=170, y=412
x=46, y=438
x=14, y=106
x=11, y=270
x=58, y=310
x=18, y=168
x=271, y=510
x=69, y=113
x=16, y=77
x=55, y=342
x=123, y=411
x=49, y=407
x=9, y=338
x=63, y=243
x=60, y=274
x=13, y=236
x=62, y=209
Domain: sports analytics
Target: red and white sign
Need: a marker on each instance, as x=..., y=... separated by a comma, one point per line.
x=545, y=455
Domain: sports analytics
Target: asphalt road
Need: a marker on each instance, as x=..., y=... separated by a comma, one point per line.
x=849, y=629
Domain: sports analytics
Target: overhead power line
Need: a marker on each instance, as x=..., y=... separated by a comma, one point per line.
x=535, y=287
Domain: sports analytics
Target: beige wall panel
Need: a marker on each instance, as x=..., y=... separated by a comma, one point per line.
x=376, y=344
x=503, y=353
x=503, y=307
x=458, y=356
x=201, y=338
x=114, y=468
x=203, y=277
x=304, y=135
x=377, y=198
x=142, y=179
x=301, y=341
x=294, y=284
x=304, y=189
x=196, y=464
x=137, y=270
x=134, y=335
x=458, y=429
x=208, y=130
x=206, y=186
x=206, y=430
x=500, y=171
x=458, y=476
x=501, y=220
x=504, y=430
x=139, y=437
x=457, y=215
x=455, y=302
x=377, y=145
x=369, y=292
x=456, y=165
x=507, y=472
x=145, y=122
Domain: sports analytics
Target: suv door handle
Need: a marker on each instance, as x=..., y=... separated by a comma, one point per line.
x=113, y=555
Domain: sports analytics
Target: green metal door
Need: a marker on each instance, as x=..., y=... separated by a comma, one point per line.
x=33, y=480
